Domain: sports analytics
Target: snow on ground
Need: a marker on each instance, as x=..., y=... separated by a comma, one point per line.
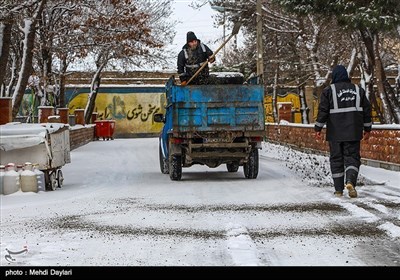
x=116, y=208
x=315, y=170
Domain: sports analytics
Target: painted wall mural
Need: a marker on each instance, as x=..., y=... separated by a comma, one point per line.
x=131, y=108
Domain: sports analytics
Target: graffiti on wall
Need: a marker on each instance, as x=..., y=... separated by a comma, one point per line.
x=117, y=110
x=133, y=113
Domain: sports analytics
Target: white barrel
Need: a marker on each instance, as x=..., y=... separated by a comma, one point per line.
x=10, y=179
x=40, y=178
x=2, y=171
x=28, y=179
x=19, y=169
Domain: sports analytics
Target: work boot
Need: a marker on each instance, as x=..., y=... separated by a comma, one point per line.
x=338, y=193
x=351, y=189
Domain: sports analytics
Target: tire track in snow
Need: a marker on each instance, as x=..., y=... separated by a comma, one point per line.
x=371, y=211
x=241, y=247
x=391, y=229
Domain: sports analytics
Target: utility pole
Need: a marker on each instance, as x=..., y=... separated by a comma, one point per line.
x=260, y=64
x=223, y=33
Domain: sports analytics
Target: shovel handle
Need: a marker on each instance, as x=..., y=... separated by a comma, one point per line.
x=199, y=70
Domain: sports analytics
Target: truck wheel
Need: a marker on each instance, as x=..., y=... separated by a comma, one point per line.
x=175, y=167
x=51, y=180
x=251, y=166
x=232, y=167
x=164, y=165
x=60, y=178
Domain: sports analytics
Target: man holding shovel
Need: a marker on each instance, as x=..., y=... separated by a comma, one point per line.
x=191, y=58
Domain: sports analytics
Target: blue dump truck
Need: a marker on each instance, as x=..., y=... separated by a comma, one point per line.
x=211, y=125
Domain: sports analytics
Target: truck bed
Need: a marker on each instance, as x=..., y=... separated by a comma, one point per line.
x=211, y=125
x=213, y=108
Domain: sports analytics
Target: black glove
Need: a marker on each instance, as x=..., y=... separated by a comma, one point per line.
x=184, y=77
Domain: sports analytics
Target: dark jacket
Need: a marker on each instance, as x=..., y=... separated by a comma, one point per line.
x=190, y=61
x=344, y=108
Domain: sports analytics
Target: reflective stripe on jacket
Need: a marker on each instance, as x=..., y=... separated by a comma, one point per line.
x=189, y=61
x=345, y=110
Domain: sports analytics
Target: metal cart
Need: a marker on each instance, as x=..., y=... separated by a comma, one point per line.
x=45, y=144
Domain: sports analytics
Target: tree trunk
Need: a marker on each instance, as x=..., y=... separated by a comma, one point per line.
x=368, y=65
x=397, y=87
x=5, y=28
x=63, y=70
x=29, y=40
x=276, y=81
x=352, y=64
x=275, y=95
x=303, y=104
x=46, y=75
x=393, y=100
x=61, y=92
x=388, y=112
x=94, y=88
x=11, y=83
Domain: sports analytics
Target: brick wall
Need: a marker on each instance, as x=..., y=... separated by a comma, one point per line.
x=80, y=135
x=382, y=149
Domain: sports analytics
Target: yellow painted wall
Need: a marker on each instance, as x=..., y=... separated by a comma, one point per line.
x=295, y=100
x=132, y=112
x=289, y=97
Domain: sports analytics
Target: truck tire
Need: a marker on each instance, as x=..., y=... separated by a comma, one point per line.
x=51, y=180
x=175, y=167
x=164, y=165
x=59, y=178
x=250, y=168
x=232, y=167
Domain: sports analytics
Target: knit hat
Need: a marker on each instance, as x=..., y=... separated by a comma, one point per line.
x=190, y=36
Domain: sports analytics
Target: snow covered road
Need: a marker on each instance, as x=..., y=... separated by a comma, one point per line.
x=117, y=208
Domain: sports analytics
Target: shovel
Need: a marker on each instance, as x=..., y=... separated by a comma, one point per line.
x=235, y=31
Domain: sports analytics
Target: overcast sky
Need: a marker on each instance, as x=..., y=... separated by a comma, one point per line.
x=201, y=22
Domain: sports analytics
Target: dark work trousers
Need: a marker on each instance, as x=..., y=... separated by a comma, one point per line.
x=345, y=161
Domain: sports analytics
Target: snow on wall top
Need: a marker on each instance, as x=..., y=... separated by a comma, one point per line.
x=226, y=74
x=17, y=135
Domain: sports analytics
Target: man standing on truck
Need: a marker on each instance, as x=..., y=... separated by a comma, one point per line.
x=192, y=56
x=346, y=111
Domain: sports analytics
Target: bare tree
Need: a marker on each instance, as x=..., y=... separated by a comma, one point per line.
x=49, y=35
x=31, y=15
x=114, y=31
x=371, y=20
x=5, y=43
x=311, y=39
x=52, y=48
